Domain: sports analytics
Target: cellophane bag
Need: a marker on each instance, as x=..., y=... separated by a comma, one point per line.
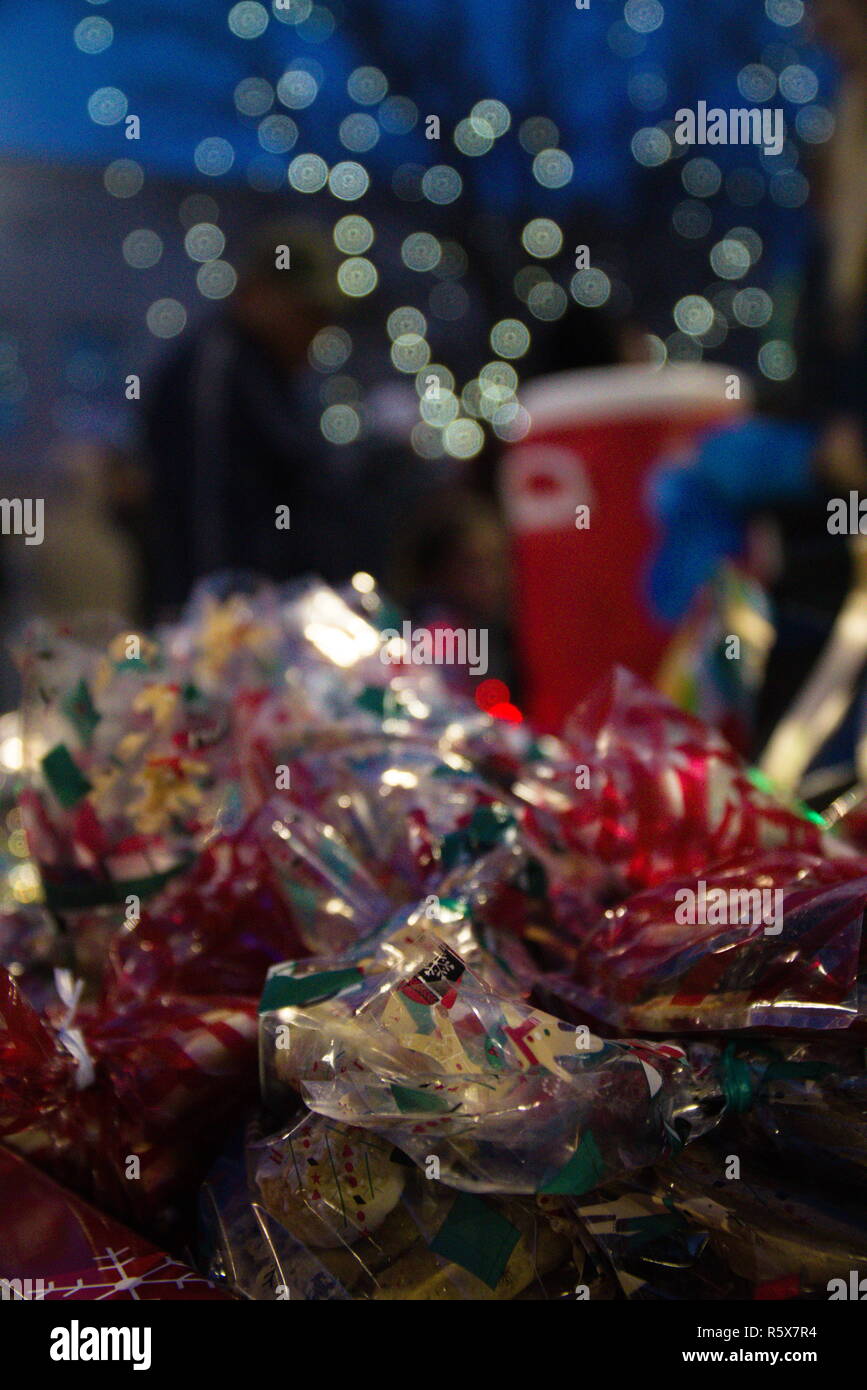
x=126, y=1106
x=653, y=793
x=128, y=764
x=414, y=1046
x=717, y=952
x=322, y=1210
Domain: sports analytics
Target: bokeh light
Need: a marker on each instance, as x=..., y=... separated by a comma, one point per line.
x=107, y=106
x=777, y=360
x=248, y=19
x=216, y=279
x=757, y=82
x=166, y=318
x=542, y=238
x=254, y=96
x=752, y=307
x=308, y=173
x=410, y=352
x=420, y=251
x=367, y=86
x=277, y=134
x=538, y=133
x=693, y=315
x=442, y=184
x=491, y=117
x=785, y=12
x=510, y=338
x=357, y=277
x=353, y=235
x=340, y=424
x=799, y=84
x=547, y=301
x=142, y=249
x=330, y=348
x=204, y=242
x=214, y=156
x=404, y=320
x=471, y=140
x=590, y=287
x=553, y=168
x=644, y=16
x=348, y=180
x=123, y=178
x=651, y=146
x=730, y=259
x=93, y=34
x=359, y=132
x=463, y=438
x=701, y=177
x=297, y=89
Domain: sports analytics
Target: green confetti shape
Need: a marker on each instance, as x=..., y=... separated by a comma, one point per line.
x=584, y=1170
x=64, y=777
x=284, y=991
x=477, y=1237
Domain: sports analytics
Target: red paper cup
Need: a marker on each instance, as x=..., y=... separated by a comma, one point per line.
x=580, y=594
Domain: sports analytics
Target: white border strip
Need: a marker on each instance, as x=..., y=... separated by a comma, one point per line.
x=617, y=393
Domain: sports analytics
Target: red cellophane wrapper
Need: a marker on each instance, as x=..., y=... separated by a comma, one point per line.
x=787, y=953
x=653, y=792
x=54, y=1246
x=217, y=931
x=160, y=1082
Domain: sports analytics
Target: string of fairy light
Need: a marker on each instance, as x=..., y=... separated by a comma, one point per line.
x=453, y=417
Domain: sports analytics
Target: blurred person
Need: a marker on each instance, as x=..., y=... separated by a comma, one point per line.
x=87, y=561
x=392, y=481
x=232, y=434
x=773, y=476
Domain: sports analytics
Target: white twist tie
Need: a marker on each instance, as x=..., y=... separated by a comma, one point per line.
x=70, y=989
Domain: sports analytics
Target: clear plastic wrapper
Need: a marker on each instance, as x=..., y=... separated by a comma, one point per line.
x=416, y=1047
x=343, y=681
x=787, y=1239
x=800, y=1102
x=399, y=806
x=407, y=825
x=335, y=899
x=647, y=1251
x=328, y=1211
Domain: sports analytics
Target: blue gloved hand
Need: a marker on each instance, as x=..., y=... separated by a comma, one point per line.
x=759, y=463
x=698, y=535
x=704, y=507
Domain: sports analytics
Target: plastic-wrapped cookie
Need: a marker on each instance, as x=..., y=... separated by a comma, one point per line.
x=329, y=1184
